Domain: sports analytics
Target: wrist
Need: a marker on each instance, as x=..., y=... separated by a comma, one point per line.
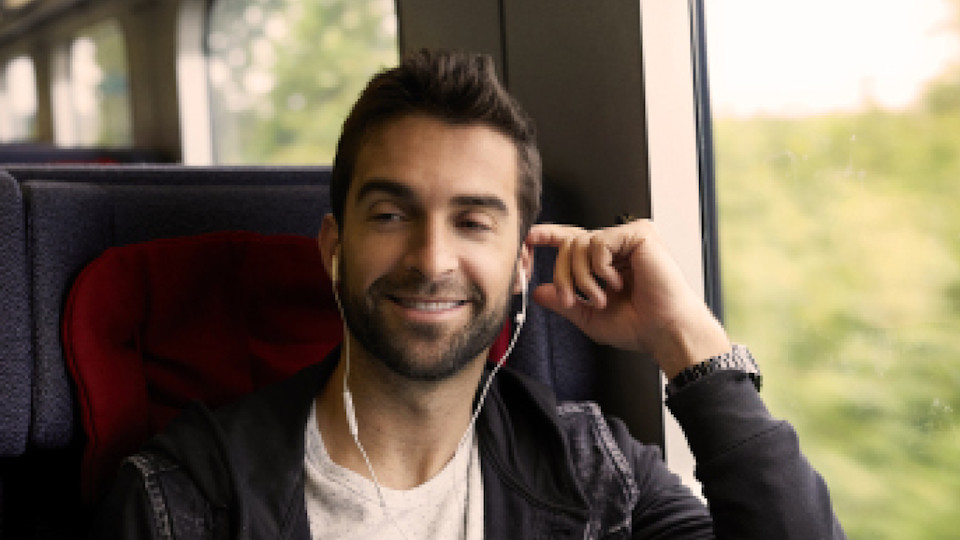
x=691, y=345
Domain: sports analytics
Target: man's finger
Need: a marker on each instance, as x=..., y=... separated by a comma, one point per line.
x=584, y=277
x=601, y=260
x=553, y=235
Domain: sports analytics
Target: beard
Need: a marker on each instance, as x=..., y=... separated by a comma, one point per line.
x=417, y=350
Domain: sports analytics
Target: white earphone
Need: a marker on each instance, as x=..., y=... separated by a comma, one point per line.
x=521, y=317
x=351, y=412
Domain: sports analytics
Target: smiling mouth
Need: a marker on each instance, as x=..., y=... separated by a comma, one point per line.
x=427, y=305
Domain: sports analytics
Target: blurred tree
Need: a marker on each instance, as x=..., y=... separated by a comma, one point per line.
x=113, y=90
x=843, y=275
x=846, y=279
x=285, y=73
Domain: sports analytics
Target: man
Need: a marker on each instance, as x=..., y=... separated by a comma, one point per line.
x=404, y=432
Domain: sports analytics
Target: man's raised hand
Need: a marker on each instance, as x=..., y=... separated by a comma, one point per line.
x=621, y=287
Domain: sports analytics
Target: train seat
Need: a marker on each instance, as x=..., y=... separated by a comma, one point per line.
x=37, y=280
x=172, y=175
x=65, y=226
x=71, y=223
x=16, y=364
x=149, y=328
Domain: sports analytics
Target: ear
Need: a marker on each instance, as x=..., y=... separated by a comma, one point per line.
x=329, y=242
x=524, y=264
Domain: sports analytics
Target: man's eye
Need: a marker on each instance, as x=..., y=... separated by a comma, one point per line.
x=475, y=225
x=386, y=217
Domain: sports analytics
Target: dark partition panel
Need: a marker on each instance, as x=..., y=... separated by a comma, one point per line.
x=577, y=67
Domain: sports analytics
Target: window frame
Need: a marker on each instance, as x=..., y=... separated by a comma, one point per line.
x=681, y=171
x=193, y=87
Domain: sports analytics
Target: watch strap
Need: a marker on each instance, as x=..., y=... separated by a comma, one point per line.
x=737, y=358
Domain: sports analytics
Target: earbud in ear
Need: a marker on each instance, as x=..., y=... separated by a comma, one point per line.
x=334, y=269
x=522, y=315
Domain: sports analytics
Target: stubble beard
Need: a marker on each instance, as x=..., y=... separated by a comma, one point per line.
x=439, y=353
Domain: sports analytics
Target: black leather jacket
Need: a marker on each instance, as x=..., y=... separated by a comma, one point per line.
x=549, y=471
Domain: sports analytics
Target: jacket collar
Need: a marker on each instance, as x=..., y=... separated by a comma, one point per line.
x=262, y=483
x=526, y=462
x=270, y=473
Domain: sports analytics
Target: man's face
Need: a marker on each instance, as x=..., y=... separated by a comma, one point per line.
x=429, y=244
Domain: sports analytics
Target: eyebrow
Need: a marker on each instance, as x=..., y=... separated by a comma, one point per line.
x=389, y=187
x=482, y=201
x=402, y=191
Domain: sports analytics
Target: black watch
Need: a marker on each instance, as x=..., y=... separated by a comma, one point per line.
x=737, y=359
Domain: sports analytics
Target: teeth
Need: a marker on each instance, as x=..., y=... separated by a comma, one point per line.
x=431, y=306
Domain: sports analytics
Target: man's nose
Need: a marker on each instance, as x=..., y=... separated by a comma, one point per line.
x=432, y=251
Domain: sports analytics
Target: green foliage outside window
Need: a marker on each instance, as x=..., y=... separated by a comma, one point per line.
x=100, y=94
x=840, y=247
x=285, y=72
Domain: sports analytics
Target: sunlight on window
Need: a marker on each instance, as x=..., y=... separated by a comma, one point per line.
x=18, y=96
x=15, y=4
x=837, y=133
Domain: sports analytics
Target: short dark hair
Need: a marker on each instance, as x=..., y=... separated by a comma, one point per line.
x=454, y=87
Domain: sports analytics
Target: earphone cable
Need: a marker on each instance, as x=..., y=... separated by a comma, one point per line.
x=350, y=411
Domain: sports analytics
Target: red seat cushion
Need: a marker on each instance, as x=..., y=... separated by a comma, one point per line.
x=149, y=328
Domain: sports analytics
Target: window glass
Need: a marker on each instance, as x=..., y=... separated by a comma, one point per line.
x=283, y=73
x=837, y=145
x=14, y=4
x=19, y=98
x=99, y=89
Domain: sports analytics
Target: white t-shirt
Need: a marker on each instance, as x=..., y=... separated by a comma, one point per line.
x=342, y=504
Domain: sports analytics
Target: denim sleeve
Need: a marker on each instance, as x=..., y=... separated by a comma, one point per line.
x=757, y=482
x=665, y=508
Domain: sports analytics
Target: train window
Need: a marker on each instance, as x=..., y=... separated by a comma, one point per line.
x=18, y=97
x=94, y=99
x=15, y=4
x=283, y=73
x=837, y=157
